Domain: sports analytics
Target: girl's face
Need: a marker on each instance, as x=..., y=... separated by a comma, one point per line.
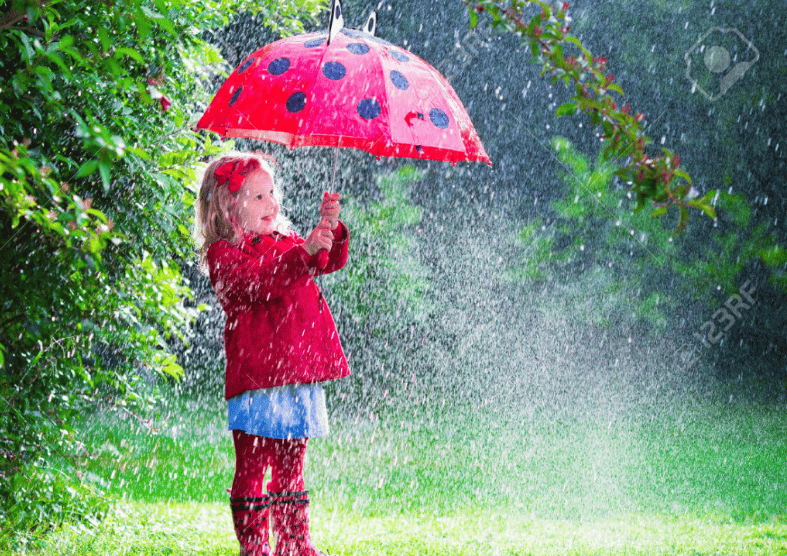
x=257, y=207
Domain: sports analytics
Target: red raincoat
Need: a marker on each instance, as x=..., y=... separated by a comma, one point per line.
x=278, y=330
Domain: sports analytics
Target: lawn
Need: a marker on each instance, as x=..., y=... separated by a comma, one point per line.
x=700, y=480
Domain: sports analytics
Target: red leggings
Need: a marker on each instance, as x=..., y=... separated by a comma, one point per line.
x=253, y=456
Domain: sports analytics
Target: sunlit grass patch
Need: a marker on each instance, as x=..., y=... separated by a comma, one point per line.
x=184, y=457
x=698, y=480
x=722, y=463
x=150, y=529
x=205, y=528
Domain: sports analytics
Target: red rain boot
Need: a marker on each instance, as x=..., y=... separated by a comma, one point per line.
x=291, y=524
x=250, y=517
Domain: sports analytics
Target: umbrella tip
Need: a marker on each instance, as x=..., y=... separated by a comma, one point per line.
x=371, y=23
x=336, y=21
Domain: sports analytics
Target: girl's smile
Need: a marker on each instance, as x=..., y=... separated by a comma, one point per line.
x=258, y=209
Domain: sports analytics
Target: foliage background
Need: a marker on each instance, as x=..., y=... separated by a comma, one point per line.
x=97, y=174
x=504, y=286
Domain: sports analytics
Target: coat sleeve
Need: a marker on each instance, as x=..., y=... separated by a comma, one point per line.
x=239, y=277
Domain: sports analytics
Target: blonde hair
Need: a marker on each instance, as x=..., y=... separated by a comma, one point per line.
x=216, y=208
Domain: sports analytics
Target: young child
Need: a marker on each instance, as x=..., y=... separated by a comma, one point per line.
x=280, y=341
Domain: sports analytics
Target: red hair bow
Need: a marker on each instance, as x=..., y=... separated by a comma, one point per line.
x=233, y=174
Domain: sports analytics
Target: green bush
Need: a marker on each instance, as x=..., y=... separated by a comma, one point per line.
x=384, y=277
x=97, y=158
x=622, y=261
x=381, y=299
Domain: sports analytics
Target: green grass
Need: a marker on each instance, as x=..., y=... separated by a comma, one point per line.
x=711, y=480
x=194, y=528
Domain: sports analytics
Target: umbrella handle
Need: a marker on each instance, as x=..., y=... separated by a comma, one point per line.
x=322, y=259
x=322, y=254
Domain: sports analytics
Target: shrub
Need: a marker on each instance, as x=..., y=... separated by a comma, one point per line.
x=96, y=187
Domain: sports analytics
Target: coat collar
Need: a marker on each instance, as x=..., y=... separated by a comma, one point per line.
x=256, y=239
x=263, y=243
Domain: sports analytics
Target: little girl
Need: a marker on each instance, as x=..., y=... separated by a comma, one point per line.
x=280, y=341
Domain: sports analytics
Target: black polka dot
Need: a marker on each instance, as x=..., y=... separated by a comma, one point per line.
x=235, y=96
x=369, y=109
x=398, y=56
x=279, y=66
x=314, y=43
x=246, y=65
x=354, y=33
x=338, y=11
x=439, y=118
x=334, y=70
x=399, y=80
x=296, y=102
x=378, y=40
x=358, y=48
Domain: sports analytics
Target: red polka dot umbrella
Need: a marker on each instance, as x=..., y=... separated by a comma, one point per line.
x=354, y=90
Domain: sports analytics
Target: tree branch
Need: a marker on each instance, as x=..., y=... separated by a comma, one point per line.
x=10, y=18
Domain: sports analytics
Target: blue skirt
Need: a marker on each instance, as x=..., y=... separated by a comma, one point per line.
x=292, y=411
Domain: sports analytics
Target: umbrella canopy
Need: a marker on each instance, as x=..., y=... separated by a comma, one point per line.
x=355, y=90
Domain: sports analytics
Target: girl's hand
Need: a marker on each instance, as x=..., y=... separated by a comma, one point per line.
x=320, y=238
x=329, y=208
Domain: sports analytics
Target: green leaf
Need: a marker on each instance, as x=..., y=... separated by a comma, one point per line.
x=575, y=41
x=473, y=18
x=167, y=25
x=143, y=26
x=567, y=109
x=130, y=52
x=87, y=168
x=774, y=256
x=28, y=52
x=73, y=53
x=659, y=211
x=66, y=41
x=104, y=170
x=704, y=206
x=682, y=174
x=55, y=58
x=103, y=36
x=141, y=153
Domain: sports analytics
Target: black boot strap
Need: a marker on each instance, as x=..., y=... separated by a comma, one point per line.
x=253, y=504
x=292, y=498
